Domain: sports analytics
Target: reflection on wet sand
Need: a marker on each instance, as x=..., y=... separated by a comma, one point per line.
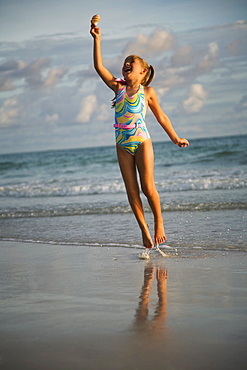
x=142, y=320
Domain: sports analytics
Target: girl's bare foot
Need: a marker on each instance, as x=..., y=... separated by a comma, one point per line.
x=146, y=239
x=159, y=233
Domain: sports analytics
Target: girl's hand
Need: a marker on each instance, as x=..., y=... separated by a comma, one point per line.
x=95, y=31
x=182, y=143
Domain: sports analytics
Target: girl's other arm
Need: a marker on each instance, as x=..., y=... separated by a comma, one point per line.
x=162, y=118
x=102, y=71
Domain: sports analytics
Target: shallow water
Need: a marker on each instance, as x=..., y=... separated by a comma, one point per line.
x=77, y=196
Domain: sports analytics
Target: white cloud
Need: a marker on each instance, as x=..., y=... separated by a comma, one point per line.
x=9, y=72
x=186, y=65
x=235, y=47
x=54, y=76
x=6, y=84
x=51, y=118
x=240, y=24
x=9, y=112
x=13, y=71
x=182, y=57
x=242, y=105
x=196, y=99
x=88, y=106
x=12, y=66
x=32, y=72
x=170, y=77
x=161, y=91
x=155, y=44
x=104, y=112
x=210, y=59
x=16, y=70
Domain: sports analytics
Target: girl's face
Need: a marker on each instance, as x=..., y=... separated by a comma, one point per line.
x=132, y=67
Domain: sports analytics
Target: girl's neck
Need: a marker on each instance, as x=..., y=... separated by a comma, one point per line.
x=133, y=84
x=131, y=90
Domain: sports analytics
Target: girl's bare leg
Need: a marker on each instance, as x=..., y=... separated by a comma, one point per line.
x=128, y=169
x=145, y=163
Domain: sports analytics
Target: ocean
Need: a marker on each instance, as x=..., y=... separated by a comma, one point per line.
x=77, y=197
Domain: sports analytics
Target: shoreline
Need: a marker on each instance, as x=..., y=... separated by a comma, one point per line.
x=82, y=307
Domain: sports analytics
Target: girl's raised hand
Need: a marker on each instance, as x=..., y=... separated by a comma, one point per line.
x=95, y=31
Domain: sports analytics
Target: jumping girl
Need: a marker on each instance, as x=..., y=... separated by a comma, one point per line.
x=133, y=143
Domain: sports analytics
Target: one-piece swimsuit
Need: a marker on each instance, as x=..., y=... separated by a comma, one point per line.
x=130, y=126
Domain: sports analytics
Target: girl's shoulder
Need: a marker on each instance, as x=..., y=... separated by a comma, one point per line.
x=149, y=91
x=121, y=84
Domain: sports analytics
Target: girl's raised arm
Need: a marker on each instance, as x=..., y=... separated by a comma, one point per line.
x=102, y=71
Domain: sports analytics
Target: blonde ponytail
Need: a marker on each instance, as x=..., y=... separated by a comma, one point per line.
x=149, y=76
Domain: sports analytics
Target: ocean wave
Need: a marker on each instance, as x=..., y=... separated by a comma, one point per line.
x=53, y=189
x=202, y=183
x=66, y=189
x=74, y=243
x=172, y=250
x=71, y=210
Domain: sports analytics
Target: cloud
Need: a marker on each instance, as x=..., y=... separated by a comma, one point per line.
x=51, y=118
x=9, y=112
x=196, y=99
x=54, y=76
x=6, y=84
x=88, y=106
x=103, y=113
x=155, y=44
x=161, y=91
x=9, y=71
x=240, y=24
x=182, y=57
x=242, y=105
x=32, y=73
x=16, y=70
x=235, y=48
x=186, y=65
x=12, y=66
x=209, y=60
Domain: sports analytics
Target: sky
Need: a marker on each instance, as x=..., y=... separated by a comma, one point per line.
x=52, y=98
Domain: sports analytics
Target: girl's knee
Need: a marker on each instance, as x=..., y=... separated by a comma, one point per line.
x=149, y=190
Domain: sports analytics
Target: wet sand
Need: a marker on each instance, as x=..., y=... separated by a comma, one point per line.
x=74, y=307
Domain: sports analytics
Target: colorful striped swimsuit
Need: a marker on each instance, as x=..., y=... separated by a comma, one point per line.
x=130, y=112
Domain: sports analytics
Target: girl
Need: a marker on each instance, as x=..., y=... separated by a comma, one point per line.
x=133, y=143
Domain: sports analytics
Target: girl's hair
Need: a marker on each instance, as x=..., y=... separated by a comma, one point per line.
x=148, y=76
x=150, y=70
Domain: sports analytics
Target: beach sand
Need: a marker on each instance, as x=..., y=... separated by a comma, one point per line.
x=77, y=307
